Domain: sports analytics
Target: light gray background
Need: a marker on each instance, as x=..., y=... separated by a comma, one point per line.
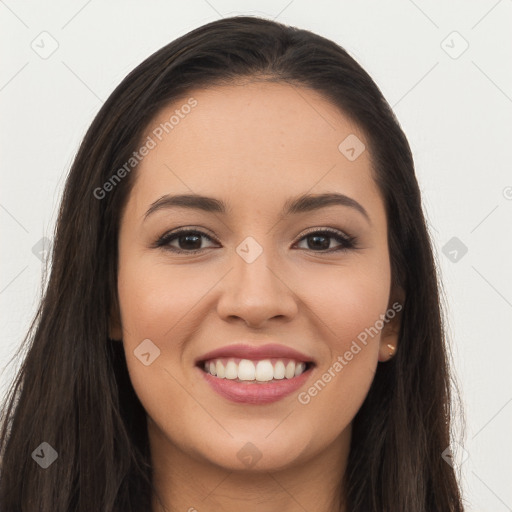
x=456, y=109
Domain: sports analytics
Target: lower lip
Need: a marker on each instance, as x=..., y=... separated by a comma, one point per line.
x=253, y=392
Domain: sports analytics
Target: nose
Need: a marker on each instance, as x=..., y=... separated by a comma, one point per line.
x=256, y=293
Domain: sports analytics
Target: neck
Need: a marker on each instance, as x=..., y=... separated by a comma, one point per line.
x=185, y=483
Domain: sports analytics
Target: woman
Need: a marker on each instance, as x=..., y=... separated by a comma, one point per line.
x=243, y=310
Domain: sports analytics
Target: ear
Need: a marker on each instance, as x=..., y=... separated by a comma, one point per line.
x=392, y=324
x=115, y=329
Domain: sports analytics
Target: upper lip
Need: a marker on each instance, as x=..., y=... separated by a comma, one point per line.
x=246, y=351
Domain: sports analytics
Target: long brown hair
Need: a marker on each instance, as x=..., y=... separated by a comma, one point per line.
x=73, y=390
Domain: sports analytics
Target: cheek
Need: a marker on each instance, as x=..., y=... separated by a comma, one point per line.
x=153, y=298
x=156, y=305
x=347, y=300
x=349, y=308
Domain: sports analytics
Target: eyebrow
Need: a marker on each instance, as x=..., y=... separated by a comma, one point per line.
x=301, y=204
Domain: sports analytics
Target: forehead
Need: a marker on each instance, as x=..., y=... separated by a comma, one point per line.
x=253, y=144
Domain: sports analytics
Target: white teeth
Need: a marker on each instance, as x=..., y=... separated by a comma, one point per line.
x=246, y=370
x=231, y=370
x=220, y=370
x=299, y=369
x=279, y=370
x=290, y=370
x=264, y=371
x=260, y=371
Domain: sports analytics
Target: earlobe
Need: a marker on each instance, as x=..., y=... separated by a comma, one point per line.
x=389, y=339
x=390, y=352
x=391, y=330
x=387, y=348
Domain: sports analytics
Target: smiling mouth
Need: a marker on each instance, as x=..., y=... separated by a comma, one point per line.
x=249, y=371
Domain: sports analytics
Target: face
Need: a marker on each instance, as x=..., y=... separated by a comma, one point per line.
x=272, y=284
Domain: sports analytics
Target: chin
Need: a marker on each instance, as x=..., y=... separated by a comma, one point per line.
x=256, y=452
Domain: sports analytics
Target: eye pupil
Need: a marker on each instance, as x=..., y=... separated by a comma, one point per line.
x=185, y=239
x=315, y=245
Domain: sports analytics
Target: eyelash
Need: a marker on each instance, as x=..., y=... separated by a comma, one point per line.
x=348, y=242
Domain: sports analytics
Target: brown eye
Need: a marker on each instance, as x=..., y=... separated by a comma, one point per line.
x=186, y=241
x=320, y=241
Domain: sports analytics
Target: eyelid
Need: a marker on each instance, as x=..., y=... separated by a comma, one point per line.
x=185, y=229
x=334, y=231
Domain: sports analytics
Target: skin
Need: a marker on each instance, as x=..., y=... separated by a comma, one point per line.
x=252, y=146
